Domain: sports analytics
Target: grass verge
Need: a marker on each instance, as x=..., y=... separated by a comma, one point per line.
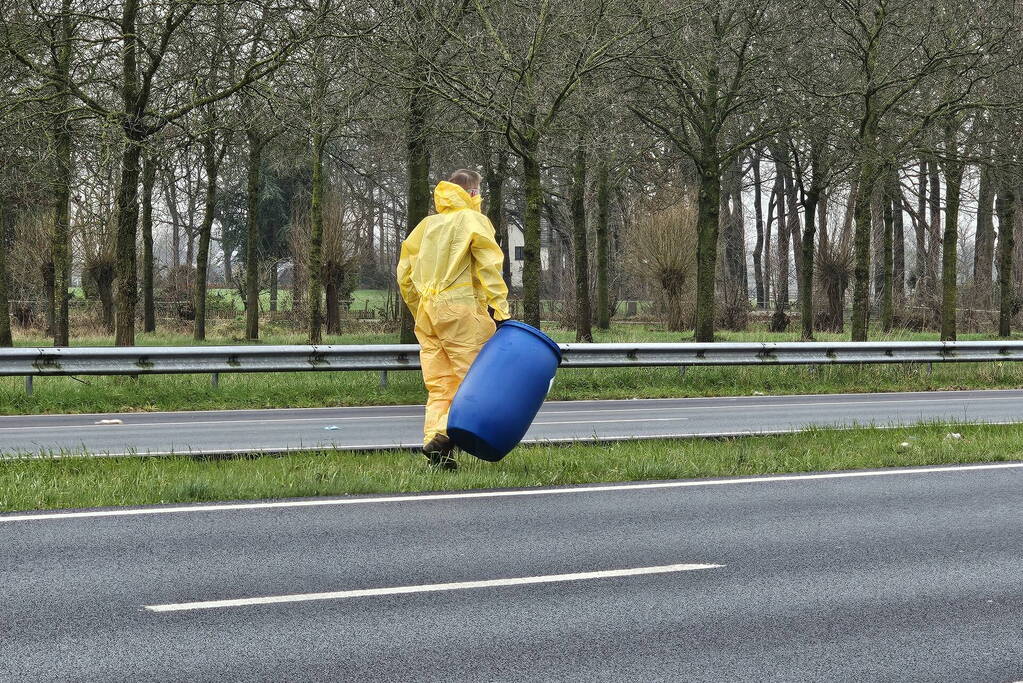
x=99, y=482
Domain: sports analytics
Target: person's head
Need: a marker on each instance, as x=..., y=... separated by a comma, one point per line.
x=467, y=180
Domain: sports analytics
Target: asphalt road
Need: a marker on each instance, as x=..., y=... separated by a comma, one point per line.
x=899, y=575
x=390, y=427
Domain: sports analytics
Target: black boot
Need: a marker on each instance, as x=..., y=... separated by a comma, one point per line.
x=438, y=452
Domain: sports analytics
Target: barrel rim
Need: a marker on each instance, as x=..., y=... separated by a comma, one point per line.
x=529, y=328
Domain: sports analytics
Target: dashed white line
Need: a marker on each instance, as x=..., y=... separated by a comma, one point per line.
x=597, y=412
x=429, y=588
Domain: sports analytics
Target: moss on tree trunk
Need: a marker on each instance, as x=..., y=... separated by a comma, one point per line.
x=861, y=251
x=603, y=248
x=708, y=213
x=531, y=246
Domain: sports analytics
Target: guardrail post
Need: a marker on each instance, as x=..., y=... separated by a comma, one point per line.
x=215, y=380
x=383, y=379
x=28, y=385
x=682, y=371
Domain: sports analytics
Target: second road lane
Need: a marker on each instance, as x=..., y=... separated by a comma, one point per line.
x=386, y=427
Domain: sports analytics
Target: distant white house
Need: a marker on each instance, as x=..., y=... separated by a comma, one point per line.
x=516, y=243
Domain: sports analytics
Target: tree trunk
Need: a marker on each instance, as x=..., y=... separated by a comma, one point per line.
x=806, y=274
x=148, y=266
x=898, y=240
x=782, y=288
x=861, y=247
x=228, y=263
x=175, y=234
x=734, y=236
x=62, y=147
x=315, y=264
x=531, y=227
x=878, y=238
x=791, y=195
x=47, y=273
x=766, y=257
x=127, y=235
x=583, y=314
x=922, y=258
x=758, y=211
x=1017, y=249
x=984, y=248
x=252, y=237
x=274, y=265
x=708, y=217
x=128, y=190
x=6, y=339
x=1005, y=205
x=202, y=258
x=103, y=276
x=297, y=292
x=334, y=281
x=934, y=236
x=887, y=261
x=418, y=161
x=495, y=210
x=603, y=248
x=949, y=252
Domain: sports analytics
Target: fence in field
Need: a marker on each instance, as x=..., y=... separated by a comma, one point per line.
x=214, y=360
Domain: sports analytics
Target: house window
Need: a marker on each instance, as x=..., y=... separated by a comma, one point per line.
x=520, y=254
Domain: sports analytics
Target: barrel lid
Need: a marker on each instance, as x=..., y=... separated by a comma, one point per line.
x=532, y=330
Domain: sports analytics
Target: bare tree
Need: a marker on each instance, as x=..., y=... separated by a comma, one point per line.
x=705, y=70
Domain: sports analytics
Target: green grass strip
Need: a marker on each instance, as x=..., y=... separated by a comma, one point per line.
x=99, y=482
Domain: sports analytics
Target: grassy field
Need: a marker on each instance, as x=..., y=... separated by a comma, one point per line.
x=361, y=298
x=185, y=392
x=85, y=482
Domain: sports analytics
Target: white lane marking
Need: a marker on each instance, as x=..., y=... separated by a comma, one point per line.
x=543, y=413
x=269, y=505
x=417, y=416
x=431, y=587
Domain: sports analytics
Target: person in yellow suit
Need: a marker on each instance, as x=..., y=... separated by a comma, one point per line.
x=450, y=273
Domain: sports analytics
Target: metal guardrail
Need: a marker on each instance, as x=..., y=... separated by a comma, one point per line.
x=144, y=360
x=788, y=353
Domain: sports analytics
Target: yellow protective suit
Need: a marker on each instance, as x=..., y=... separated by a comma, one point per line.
x=449, y=273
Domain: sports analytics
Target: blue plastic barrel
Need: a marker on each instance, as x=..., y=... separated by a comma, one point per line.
x=503, y=391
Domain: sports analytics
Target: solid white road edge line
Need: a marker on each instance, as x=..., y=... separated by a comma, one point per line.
x=429, y=588
x=220, y=507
